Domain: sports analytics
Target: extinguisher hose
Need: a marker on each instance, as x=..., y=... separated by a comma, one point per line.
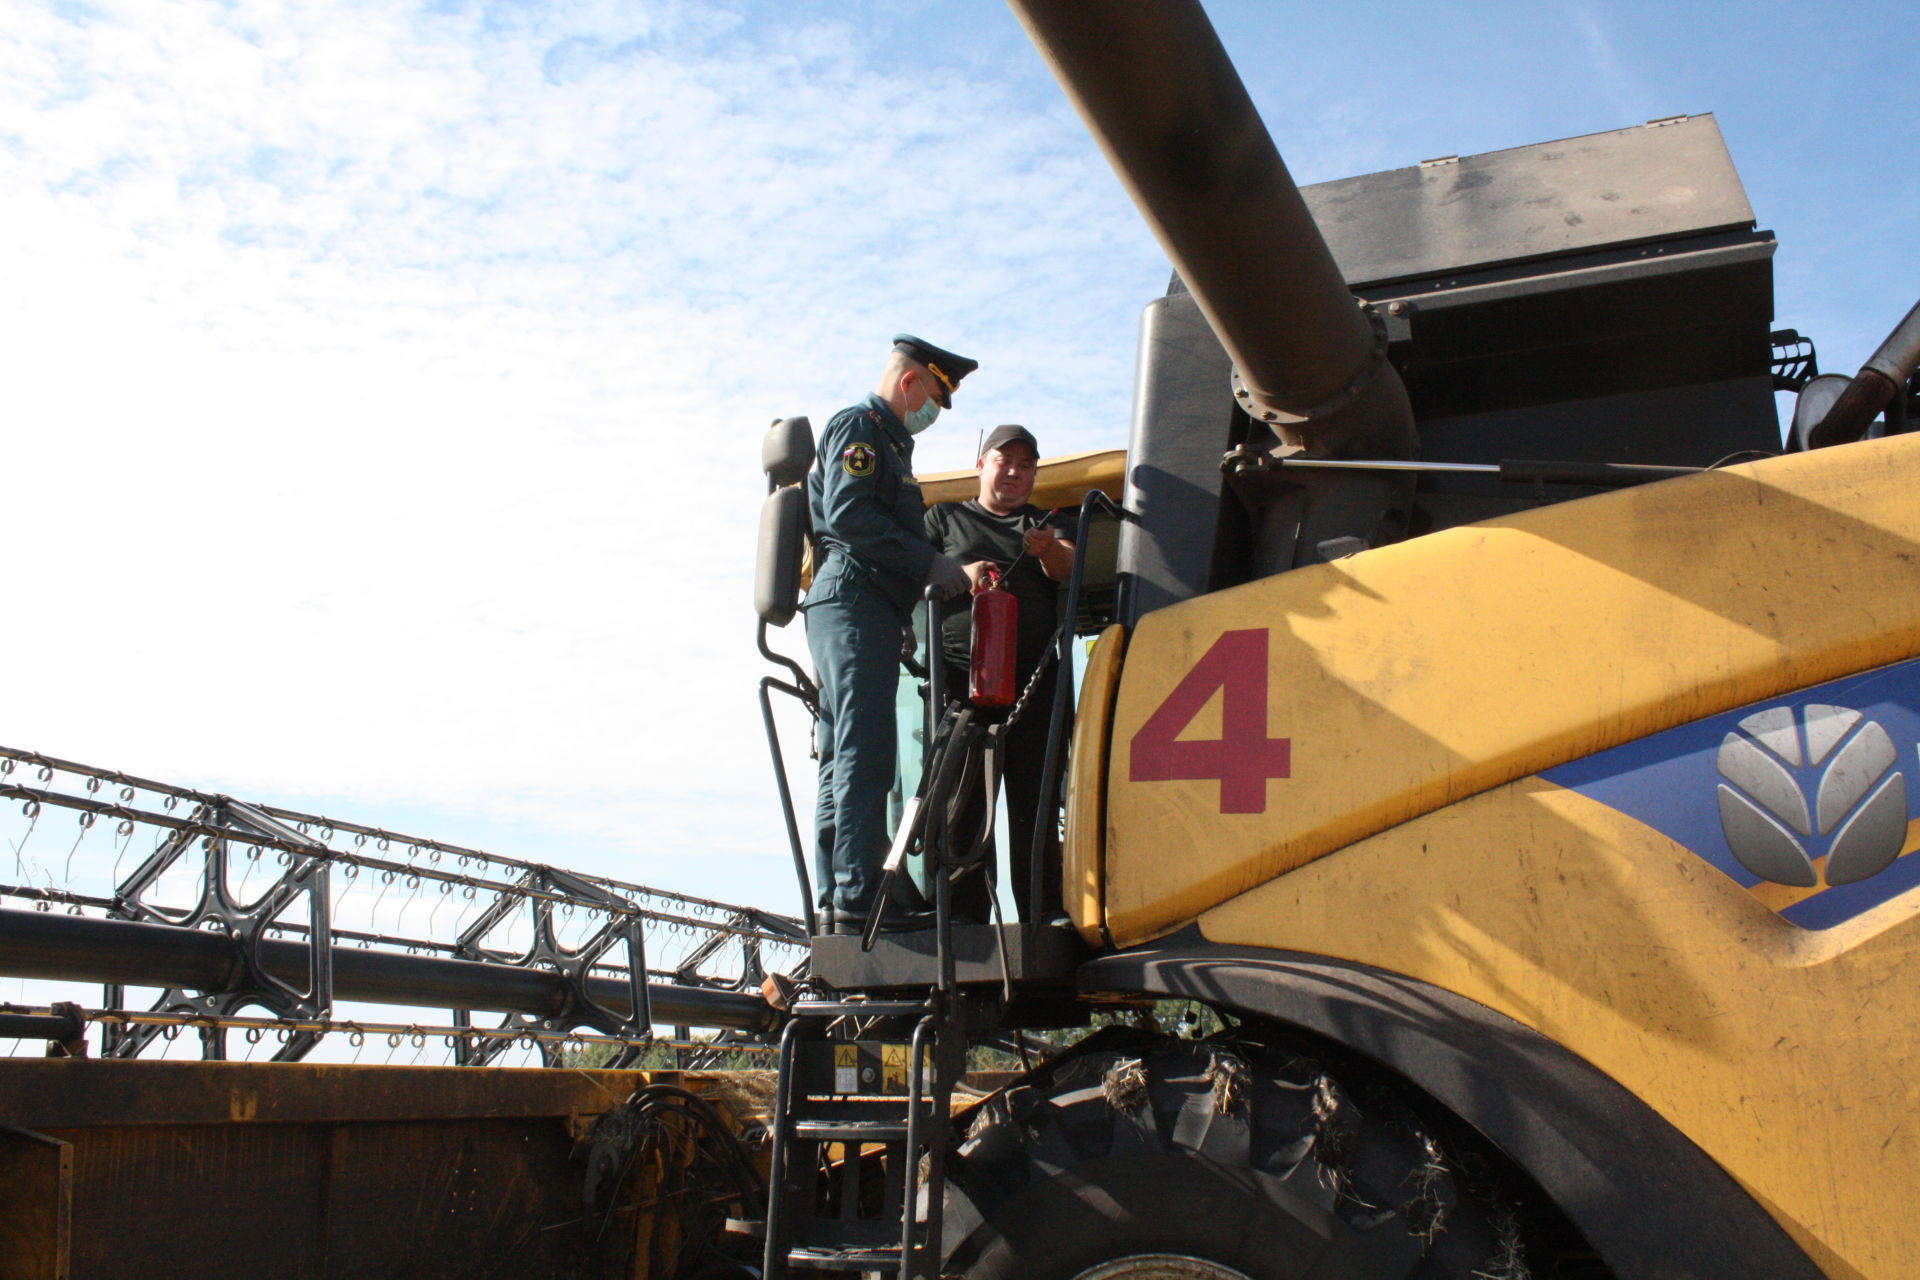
x=1008, y=571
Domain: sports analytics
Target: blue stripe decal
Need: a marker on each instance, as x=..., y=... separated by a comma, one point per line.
x=1679, y=783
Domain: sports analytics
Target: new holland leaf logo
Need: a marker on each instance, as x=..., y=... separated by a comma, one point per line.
x=1817, y=787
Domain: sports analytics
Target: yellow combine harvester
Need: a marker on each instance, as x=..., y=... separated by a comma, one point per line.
x=1493, y=724
x=1488, y=840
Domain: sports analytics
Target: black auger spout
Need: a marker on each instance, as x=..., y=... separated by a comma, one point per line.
x=1160, y=96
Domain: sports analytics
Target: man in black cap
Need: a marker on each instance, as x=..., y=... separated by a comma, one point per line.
x=1001, y=531
x=872, y=559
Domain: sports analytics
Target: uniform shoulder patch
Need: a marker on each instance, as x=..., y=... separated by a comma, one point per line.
x=858, y=460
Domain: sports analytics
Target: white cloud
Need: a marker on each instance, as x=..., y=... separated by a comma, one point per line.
x=1616, y=79
x=383, y=391
x=380, y=389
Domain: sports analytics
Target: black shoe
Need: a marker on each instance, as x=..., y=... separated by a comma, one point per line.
x=847, y=924
x=907, y=897
x=841, y=921
x=908, y=921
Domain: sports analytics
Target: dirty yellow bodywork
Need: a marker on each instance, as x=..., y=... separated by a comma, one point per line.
x=1058, y=482
x=1782, y=1053
x=1415, y=675
x=1343, y=761
x=1082, y=850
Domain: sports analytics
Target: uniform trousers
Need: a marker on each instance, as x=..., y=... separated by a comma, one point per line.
x=1022, y=767
x=855, y=642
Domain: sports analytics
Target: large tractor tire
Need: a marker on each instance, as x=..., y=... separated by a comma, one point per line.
x=1148, y=1158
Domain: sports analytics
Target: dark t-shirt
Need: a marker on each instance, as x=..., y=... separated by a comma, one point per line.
x=968, y=532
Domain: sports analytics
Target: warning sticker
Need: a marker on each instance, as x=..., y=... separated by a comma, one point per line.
x=893, y=1068
x=846, y=1068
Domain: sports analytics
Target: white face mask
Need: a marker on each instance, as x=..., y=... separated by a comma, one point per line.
x=922, y=418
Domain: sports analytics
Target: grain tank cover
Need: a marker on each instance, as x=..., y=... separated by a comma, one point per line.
x=1462, y=213
x=1601, y=299
x=1610, y=290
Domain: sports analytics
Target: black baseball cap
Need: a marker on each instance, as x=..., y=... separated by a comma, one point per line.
x=947, y=368
x=1012, y=433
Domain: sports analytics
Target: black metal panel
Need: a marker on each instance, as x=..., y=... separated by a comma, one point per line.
x=1648, y=182
x=1182, y=415
x=1690, y=426
x=905, y=960
x=1682, y=315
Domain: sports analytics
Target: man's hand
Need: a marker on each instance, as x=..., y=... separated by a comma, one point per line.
x=947, y=577
x=977, y=574
x=1053, y=552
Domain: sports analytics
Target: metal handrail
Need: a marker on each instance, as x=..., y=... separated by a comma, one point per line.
x=1062, y=694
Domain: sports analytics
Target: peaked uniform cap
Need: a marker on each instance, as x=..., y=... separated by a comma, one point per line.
x=947, y=368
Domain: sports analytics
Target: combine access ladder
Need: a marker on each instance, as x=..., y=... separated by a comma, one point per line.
x=861, y=1131
x=863, y=1115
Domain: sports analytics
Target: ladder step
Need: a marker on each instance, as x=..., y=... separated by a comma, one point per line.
x=845, y=1259
x=860, y=1009
x=860, y=1094
x=850, y=1130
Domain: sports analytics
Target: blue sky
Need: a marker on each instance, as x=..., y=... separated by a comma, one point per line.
x=382, y=384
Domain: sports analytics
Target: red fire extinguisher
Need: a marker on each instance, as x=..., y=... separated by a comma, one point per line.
x=996, y=624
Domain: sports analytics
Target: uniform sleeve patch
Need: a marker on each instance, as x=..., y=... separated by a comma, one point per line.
x=858, y=460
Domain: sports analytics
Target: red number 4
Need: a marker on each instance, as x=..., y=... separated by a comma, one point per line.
x=1243, y=757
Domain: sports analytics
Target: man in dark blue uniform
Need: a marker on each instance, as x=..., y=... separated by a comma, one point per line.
x=872, y=560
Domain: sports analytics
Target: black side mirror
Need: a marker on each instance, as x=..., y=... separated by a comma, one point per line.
x=786, y=455
x=783, y=542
